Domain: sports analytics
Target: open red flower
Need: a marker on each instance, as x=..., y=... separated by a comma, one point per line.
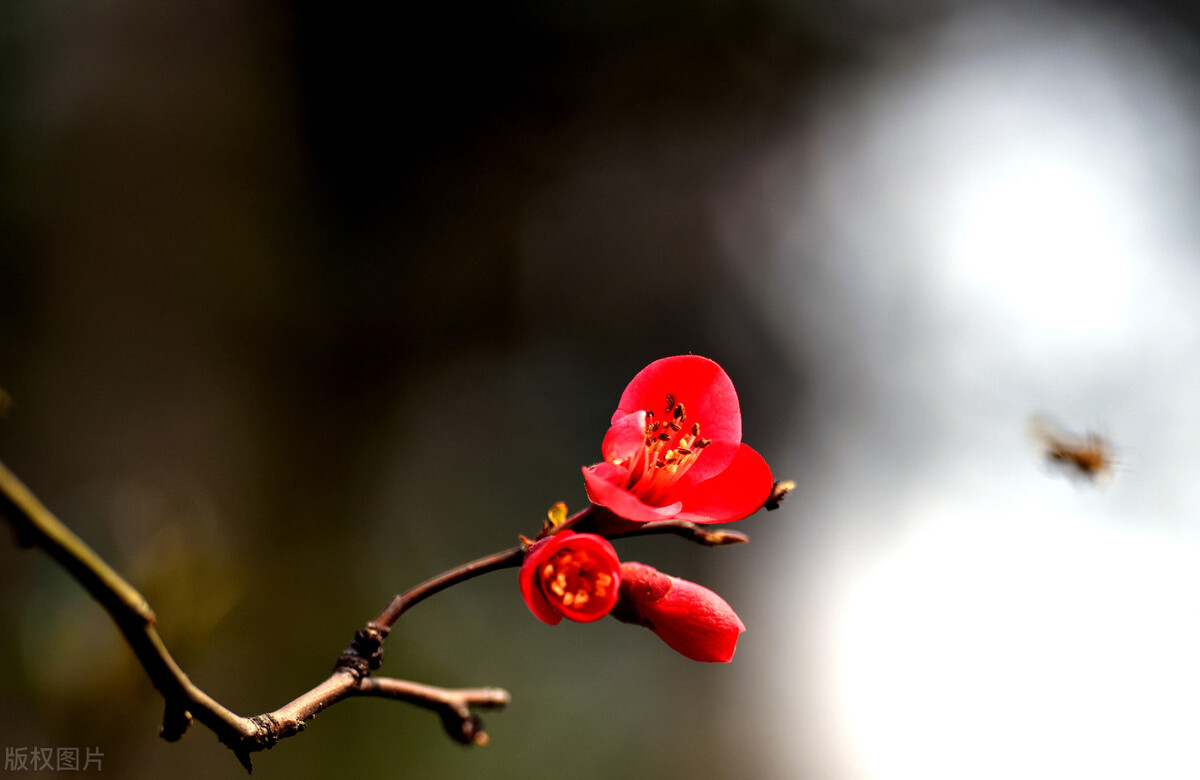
x=675, y=449
x=691, y=619
x=576, y=576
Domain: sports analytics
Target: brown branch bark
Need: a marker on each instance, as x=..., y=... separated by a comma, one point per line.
x=36, y=526
x=693, y=532
x=454, y=706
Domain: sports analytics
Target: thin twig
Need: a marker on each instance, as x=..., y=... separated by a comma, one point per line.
x=400, y=604
x=693, y=532
x=452, y=705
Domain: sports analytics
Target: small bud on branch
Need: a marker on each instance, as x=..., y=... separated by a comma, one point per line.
x=778, y=492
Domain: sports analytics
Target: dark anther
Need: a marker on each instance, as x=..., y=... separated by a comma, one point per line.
x=670, y=402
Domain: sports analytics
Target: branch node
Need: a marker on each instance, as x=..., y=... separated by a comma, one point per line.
x=779, y=491
x=269, y=730
x=365, y=653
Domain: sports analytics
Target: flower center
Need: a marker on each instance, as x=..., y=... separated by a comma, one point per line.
x=669, y=449
x=577, y=583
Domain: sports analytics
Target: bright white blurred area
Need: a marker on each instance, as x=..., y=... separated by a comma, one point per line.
x=993, y=221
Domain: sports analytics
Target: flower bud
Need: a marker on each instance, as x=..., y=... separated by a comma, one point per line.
x=690, y=618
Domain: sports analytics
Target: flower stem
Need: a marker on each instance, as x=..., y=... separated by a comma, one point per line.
x=504, y=559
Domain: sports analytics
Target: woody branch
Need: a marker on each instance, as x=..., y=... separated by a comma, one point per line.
x=36, y=526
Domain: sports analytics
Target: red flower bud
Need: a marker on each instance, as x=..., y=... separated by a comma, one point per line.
x=576, y=576
x=674, y=449
x=691, y=619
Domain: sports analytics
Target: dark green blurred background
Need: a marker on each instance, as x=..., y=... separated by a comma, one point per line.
x=304, y=304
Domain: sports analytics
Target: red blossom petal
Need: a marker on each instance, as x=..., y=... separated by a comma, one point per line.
x=738, y=491
x=715, y=459
x=690, y=618
x=702, y=386
x=625, y=438
x=696, y=622
x=694, y=380
x=535, y=557
x=604, y=488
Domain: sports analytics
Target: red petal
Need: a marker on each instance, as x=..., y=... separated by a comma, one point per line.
x=700, y=384
x=712, y=461
x=738, y=491
x=696, y=622
x=535, y=557
x=603, y=488
x=644, y=583
x=691, y=619
x=625, y=438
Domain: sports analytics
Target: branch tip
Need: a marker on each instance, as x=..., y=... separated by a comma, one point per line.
x=723, y=537
x=778, y=493
x=464, y=728
x=176, y=721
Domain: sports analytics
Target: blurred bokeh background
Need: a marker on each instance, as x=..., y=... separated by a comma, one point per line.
x=303, y=304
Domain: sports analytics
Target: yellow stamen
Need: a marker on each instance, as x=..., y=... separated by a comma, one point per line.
x=571, y=578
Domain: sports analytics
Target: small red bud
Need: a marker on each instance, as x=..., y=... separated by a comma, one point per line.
x=690, y=618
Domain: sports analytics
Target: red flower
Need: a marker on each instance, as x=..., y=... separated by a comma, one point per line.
x=689, y=618
x=570, y=575
x=675, y=450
